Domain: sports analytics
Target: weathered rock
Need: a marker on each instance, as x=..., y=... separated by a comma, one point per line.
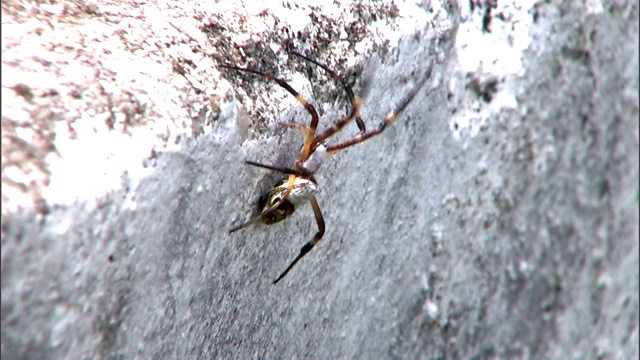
x=497, y=217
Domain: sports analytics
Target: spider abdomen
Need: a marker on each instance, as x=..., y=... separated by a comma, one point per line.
x=302, y=191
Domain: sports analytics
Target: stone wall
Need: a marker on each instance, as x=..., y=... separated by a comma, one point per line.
x=496, y=217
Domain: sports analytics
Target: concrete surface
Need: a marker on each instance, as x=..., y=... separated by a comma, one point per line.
x=497, y=217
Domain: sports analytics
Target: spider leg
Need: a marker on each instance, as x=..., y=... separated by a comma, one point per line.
x=308, y=246
x=284, y=170
x=306, y=149
x=332, y=149
x=304, y=129
x=347, y=88
x=340, y=124
x=273, y=208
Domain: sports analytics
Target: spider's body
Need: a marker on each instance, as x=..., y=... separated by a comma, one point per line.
x=303, y=190
x=300, y=186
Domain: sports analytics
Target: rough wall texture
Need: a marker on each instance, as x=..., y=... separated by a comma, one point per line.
x=496, y=217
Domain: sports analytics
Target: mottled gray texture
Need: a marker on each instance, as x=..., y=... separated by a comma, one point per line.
x=514, y=239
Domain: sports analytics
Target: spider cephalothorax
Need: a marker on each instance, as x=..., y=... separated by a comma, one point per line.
x=300, y=186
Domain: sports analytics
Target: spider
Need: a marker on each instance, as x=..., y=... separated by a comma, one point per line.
x=300, y=185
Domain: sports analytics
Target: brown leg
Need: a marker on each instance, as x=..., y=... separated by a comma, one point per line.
x=347, y=88
x=308, y=246
x=303, y=129
x=332, y=149
x=340, y=124
x=306, y=149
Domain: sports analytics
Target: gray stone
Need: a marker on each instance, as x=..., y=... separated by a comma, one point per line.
x=496, y=217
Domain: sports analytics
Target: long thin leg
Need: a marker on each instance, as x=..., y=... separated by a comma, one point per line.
x=332, y=149
x=273, y=208
x=347, y=88
x=306, y=149
x=284, y=170
x=303, y=128
x=308, y=246
x=340, y=124
x=355, y=105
